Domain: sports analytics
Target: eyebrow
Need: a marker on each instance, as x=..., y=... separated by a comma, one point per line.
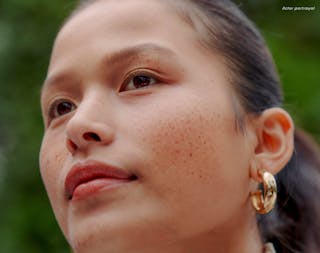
x=118, y=57
x=146, y=48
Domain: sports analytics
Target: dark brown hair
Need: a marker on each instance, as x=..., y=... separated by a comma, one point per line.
x=294, y=224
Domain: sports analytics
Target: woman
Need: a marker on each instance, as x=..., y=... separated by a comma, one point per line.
x=161, y=119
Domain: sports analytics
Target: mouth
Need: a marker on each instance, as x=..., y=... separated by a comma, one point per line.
x=90, y=177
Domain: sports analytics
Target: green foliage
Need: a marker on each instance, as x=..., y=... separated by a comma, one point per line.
x=27, y=31
x=294, y=40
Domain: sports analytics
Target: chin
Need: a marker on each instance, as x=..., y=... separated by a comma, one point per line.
x=105, y=237
x=92, y=243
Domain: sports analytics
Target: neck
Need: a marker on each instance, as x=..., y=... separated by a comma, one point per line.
x=242, y=235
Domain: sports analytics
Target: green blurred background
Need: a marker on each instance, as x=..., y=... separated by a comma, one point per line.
x=27, y=31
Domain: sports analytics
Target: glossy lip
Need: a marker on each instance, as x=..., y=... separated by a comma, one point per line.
x=84, y=174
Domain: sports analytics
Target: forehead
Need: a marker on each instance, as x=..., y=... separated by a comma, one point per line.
x=116, y=19
x=107, y=26
x=113, y=25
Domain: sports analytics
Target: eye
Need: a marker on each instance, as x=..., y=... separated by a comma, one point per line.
x=60, y=108
x=138, y=81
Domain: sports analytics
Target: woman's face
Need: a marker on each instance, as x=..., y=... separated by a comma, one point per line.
x=140, y=149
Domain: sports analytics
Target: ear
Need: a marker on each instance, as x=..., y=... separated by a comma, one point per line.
x=275, y=134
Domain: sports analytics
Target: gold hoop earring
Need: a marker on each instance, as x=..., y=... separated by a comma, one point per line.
x=264, y=203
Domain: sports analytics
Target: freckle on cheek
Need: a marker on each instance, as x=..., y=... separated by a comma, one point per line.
x=58, y=158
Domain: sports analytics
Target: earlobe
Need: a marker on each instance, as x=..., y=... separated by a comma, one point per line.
x=275, y=131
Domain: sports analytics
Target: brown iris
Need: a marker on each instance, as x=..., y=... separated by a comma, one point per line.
x=64, y=108
x=141, y=81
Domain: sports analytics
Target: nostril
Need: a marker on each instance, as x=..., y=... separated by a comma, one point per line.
x=91, y=137
x=71, y=146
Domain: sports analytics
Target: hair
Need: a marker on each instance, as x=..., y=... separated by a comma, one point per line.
x=294, y=224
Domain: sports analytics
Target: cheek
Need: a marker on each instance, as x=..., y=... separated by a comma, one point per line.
x=191, y=154
x=189, y=140
x=182, y=141
x=188, y=152
x=52, y=159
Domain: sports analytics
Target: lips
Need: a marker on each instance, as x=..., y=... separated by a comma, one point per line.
x=89, y=177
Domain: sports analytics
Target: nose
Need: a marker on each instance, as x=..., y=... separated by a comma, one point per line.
x=87, y=128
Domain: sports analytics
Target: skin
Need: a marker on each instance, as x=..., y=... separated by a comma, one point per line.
x=195, y=170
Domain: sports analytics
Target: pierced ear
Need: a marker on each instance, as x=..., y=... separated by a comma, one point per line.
x=275, y=144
